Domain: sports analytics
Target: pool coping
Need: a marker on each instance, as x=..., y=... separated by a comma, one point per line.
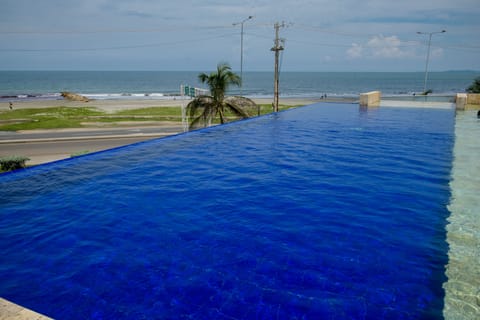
x=12, y=311
x=462, y=296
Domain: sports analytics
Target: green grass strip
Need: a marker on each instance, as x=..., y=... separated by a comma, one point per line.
x=73, y=117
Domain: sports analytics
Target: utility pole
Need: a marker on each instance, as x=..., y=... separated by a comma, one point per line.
x=277, y=47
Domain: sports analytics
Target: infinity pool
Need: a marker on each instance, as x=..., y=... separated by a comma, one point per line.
x=322, y=212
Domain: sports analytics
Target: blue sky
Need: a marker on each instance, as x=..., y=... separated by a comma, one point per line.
x=341, y=35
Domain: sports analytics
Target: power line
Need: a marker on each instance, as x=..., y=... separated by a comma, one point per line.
x=153, y=30
x=120, y=47
x=334, y=32
x=370, y=35
x=409, y=43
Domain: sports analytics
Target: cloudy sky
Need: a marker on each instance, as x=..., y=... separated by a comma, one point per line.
x=320, y=35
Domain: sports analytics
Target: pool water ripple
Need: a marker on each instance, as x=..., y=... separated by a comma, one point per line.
x=326, y=211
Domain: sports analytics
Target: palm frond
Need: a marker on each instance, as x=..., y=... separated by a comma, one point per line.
x=244, y=107
x=200, y=109
x=203, y=77
x=236, y=110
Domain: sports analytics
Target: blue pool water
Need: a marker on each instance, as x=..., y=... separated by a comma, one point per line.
x=322, y=212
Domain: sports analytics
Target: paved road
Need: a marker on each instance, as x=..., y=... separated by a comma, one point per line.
x=45, y=146
x=8, y=136
x=41, y=152
x=65, y=147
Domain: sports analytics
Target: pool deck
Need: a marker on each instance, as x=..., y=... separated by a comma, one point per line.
x=12, y=311
x=462, y=290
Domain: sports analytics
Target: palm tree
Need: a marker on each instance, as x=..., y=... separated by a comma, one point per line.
x=205, y=108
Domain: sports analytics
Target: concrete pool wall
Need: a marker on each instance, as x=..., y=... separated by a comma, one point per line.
x=462, y=290
x=468, y=101
x=463, y=101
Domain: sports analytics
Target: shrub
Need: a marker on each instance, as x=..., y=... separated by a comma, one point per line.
x=475, y=86
x=12, y=163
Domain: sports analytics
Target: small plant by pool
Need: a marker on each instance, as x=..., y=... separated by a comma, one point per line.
x=12, y=163
x=326, y=211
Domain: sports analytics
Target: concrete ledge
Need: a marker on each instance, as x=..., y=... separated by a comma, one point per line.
x=12, y=311
x=370, y=99
x=468, y=101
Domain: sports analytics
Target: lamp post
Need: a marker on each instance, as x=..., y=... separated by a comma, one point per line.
x=428, y=55
x=241, y=48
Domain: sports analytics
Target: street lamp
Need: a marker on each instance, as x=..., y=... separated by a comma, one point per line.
x=428, y=56
x=241, y=48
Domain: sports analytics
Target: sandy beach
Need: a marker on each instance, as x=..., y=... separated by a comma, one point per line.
x=112, y=105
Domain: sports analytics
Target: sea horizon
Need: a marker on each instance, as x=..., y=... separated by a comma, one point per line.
x=117, y=84
x=235, y=70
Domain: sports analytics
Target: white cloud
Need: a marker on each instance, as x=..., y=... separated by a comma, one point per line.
x=379, y=46
x=389, y=47
x=437, y=52
x=328, y=58
x=355, y=51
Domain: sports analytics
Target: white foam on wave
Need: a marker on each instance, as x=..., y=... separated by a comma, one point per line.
x=31, y=96
x=101, y=95
x=125, y=95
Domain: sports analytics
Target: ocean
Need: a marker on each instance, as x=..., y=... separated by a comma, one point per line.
x=164, y=84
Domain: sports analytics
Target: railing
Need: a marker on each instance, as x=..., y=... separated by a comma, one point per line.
x=189, y=92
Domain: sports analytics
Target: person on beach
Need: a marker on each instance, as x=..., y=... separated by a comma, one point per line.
x=10, y=105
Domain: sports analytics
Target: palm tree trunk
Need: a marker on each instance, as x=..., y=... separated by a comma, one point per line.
x=222, y=118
